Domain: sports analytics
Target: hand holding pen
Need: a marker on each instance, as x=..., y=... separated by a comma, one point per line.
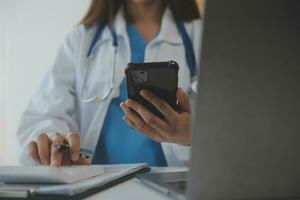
x=65, y=148
x=57, y=149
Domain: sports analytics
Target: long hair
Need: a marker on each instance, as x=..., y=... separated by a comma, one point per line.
x=185, y=10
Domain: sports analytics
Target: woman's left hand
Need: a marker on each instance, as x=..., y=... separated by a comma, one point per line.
x=176, y=128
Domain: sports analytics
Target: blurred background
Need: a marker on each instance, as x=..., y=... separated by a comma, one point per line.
x=31, y=32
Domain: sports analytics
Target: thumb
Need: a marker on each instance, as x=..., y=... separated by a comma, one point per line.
x=183, y=101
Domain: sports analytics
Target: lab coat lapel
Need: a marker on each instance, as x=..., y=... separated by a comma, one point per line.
x=169, y=32
x=92, y=133
x=123, y=50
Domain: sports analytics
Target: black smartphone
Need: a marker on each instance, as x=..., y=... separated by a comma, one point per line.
x=161, y=78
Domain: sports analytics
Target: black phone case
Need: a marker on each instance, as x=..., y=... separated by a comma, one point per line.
x=161, y=78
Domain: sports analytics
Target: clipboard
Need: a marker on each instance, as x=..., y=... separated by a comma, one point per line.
x=40, y=194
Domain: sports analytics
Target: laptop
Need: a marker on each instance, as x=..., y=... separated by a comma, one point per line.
x=246, y=134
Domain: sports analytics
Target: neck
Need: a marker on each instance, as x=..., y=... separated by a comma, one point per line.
x=201, y=7
x=145, y=12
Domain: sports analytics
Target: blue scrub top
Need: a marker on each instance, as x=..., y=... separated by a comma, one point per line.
x=118, y=142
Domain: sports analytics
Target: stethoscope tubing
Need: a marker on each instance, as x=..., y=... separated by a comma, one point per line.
x=189, y=53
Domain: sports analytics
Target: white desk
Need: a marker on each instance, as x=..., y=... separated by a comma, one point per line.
x=133, y=189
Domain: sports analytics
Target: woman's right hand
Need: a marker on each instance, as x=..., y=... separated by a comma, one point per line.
x=42, y=149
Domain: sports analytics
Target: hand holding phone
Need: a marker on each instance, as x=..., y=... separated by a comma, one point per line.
x=161, y=78
x=174, y=128
x=163, y=117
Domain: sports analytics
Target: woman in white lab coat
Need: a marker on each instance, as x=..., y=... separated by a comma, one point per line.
x=81, y=100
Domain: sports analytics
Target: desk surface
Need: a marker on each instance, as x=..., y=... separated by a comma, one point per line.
x=134, y=189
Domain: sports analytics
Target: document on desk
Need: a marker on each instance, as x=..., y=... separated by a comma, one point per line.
x=111, y=176
x=40, y=174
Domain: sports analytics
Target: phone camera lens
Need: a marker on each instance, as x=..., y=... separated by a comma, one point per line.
x=139, y=76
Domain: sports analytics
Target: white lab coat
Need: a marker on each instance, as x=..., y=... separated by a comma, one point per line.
x=57, y=105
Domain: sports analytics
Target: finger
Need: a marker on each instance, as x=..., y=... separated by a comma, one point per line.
x=147, y=130
x=43, y=143
x=81, y=161
x=66, y=160
x=129, y=122
x=125, y=108
x=33, y=151
x=56, y=156
x=168, y=112
x=138, y=122
x=153, y=121
x=183, y=101
x=74, y=142
x=133, y=116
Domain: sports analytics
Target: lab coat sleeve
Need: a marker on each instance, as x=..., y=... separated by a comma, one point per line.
x=52, y=109
x=176, y=155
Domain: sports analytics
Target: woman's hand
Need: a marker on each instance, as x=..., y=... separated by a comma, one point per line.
x=176, y=128
x=42, y=150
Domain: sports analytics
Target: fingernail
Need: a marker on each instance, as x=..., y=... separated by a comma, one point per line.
x=55, y=162
x=144, y=93
x=45, y=161
x=75, y=156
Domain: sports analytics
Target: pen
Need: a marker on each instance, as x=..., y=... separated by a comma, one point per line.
x=66, y=147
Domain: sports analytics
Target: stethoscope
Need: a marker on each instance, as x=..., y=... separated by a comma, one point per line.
x=189, y=54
